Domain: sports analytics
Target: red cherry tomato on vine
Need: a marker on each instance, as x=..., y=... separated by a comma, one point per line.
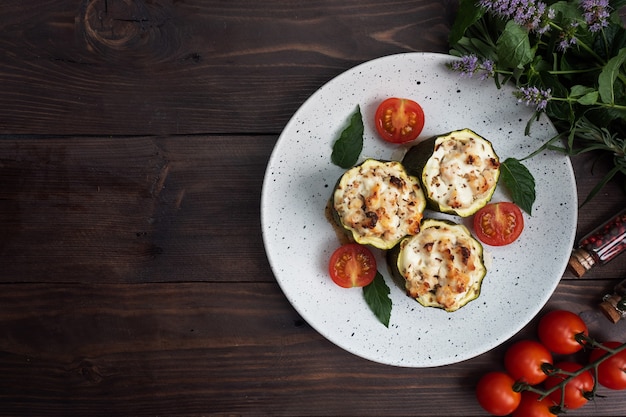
x=612, y=371
x=352, y=265
x=557, y=330
x=523, y=361
x=576, y=390
x=399, y=120
x=498, y=224
x=532, y=406
x=495, y=394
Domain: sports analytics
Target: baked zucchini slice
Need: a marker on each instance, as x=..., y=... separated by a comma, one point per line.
x=459, y=171
x=442, y=266
x=378, y=203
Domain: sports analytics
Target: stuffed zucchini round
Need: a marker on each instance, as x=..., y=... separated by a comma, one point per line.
x=442, y=266
x=378, y=203
x=459, y=171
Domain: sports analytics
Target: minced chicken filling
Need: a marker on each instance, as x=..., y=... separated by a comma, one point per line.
x=461, y=170
x=379, y=200
x=441, y=266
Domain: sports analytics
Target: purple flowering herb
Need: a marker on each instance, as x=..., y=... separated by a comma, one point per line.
x=533, y=96
x=487, y=69
x=596, y=14
x=531, y=14
x=568, y=37
x=469, y=65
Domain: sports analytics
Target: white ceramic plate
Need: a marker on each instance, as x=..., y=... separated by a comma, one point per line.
x=299, y=239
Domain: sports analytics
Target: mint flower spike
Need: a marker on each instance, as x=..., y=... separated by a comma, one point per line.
x=533, y=96
x=596, y=14
x=469, y=65
x=568, y=37
x=533, y=15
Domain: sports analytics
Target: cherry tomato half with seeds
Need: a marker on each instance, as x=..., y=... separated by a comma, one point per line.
x=612, y=370
x=532, y=406
x=495, y=394
x=577, y=390
x=399, y=120
x=523, y=361
x=498, y=224
x=352, y=265
x=557, y=331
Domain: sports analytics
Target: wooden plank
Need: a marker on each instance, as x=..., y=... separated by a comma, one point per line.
x=144, y=209
x=115, y=67
x=210, y=348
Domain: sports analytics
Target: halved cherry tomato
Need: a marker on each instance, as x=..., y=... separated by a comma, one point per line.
x=577, y=390
x=612, y=370
x=523, y=361
x=533, y=406
x=496, y=395
x=352, y=265
x=399, y=120
x=498, y=224
x=557, y=331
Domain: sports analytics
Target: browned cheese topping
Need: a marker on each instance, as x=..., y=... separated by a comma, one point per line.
x=441, y=267
x=461, y=170
x=379, y=200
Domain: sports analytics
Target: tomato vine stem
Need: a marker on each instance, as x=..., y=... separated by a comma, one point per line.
x=550, y=370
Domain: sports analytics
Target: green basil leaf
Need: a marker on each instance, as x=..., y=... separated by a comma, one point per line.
x=513, y=46
x=466, y=16
x=612, y=40
x=588, y=99
x=579, y=91
x=606, y=79
x=615, y=113
x=377, y=297
x=520, y=183
x=348, y=147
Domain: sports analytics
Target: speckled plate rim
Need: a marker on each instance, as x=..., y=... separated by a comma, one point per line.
x=299, y=239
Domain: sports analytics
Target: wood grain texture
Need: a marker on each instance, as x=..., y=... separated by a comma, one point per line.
x=134, y=136
x=208, y=348
x=132, y=209
x=122, y=67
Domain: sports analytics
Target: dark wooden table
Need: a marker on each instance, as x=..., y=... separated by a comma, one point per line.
x=134, y=137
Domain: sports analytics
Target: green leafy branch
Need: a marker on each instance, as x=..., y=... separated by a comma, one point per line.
x=573, y=72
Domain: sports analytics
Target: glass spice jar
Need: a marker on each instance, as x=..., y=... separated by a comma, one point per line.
x=614, y=305
x=600, y=246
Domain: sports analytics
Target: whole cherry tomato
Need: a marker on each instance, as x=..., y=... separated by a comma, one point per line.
x=352, y=265
x=577, y=390
x=612, y=371
x=532, y=406
x=399, y=120
x=498, y=224
x=557, y=330
x=523, y=361
x=495, y=394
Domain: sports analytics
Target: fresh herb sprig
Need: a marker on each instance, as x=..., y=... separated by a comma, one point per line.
x=566, y=58
x=376, y=296
x=347, y=148
x=520, y=183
